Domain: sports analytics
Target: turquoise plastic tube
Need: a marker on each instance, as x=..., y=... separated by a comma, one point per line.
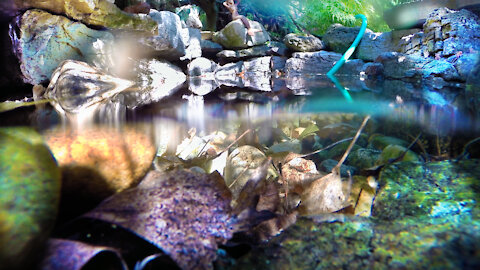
x=352, y=48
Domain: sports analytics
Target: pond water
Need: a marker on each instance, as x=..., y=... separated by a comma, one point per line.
x=421, y=208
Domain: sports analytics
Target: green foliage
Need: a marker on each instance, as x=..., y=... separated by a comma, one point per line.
x=317, y=16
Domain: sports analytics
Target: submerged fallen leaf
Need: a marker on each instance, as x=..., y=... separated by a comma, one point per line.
x=326, y=194
x=185, y=214
x=74, y=255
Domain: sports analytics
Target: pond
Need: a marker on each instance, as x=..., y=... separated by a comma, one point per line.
x=138, y=141
x=412, y=176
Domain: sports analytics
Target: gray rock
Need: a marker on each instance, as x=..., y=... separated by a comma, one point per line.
x=156, y=79
x=303, y=43
x=319, y=62
x=45, y=40
x=338, y=38
x=190, y=15
x=234, y=35
x=76, y=87
x=201, y=76
x=363, y=158
x=277, y=48
x=169, y=43
x=373, y=69
x=210, y=48
x=448, y=32
x=327, y=166
x=472, y=91
x=193, y=48
x=440, y=68
x=401, y=66
x=464, y=64
x=254, y=74
x=373, y=45
x=232, y=56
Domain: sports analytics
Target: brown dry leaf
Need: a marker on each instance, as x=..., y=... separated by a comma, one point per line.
x=326, y=195
x=366, y=196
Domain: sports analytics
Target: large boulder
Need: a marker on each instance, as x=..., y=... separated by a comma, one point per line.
x=170, y=41
x=303, y=43
x=319, y=62
x=234, y=35
x=254, y=74
x=193, y=43
x=44, y=40
x=447, y=32
x=29, y=196
x=77, y=87
x=401, y=66
x=339, y=38
x=94, y=12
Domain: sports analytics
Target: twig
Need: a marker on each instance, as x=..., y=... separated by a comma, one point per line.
x=326, y=147
x=352, y=143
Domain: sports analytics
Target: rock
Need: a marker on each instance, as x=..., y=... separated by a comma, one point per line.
x=440, y=68
x=100, y=161
x=373, y=70
x=345, y=170
x=379, y=142
x=201, y=67
x=234, y=35
x=241, y=163
x=448, y=32
x=95, y=12
x=299, y=172
x=226, y=56
x=393, y=152
x=373, y=45
x=465, y=64
x=45, y=40
x=193, y=48
x=335, y=131
x=190, y=15
x=29, y=196
x=293, y=146
x=254, y=74
x=363, y=158
x=303, y=43
x=169, y=43
x=210, y=48
x=201, y=76
x=277, y=48
x=437, y=189
x=423, y=215
x=401, y=66
x=472, y=91
x=156, y=79
x=319, y=62
x=338, y=38
x=77, y=87
x=409, y=42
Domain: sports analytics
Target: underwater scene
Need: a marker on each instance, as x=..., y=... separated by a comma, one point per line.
x=213, y=134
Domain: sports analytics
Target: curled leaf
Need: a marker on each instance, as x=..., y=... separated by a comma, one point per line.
x=66, y=254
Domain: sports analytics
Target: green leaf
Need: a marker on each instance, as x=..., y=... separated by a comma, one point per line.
x=310, y=130
x=12, y=105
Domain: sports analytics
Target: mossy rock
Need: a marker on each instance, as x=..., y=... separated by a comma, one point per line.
x=29, y=195
x=425, y=217
x=379, y=142
x=436, y=189
x=393, y=152
x=363, y=158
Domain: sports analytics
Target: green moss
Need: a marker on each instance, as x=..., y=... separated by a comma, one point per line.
x=29, y=193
